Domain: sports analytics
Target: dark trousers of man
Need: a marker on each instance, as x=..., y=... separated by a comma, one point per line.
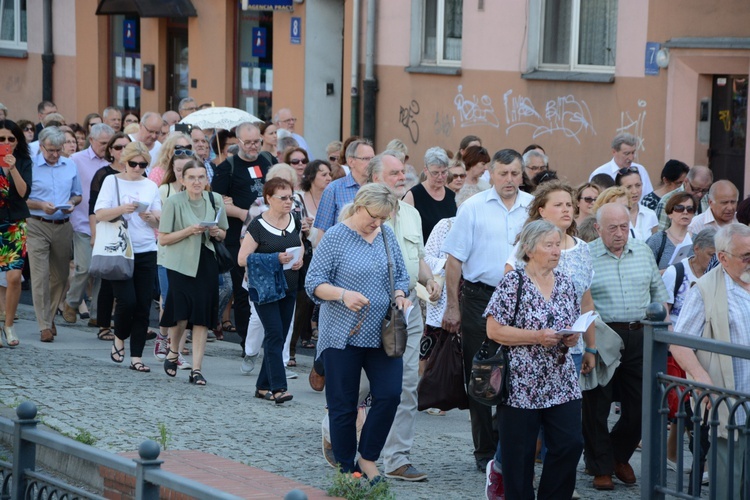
x=602, y=447
x=473, y=332
x=519, y=428
x=276, y=317
x=343, y=369
x=241, y=304
x=133, y=304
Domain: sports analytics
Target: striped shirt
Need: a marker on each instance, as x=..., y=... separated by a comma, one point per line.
x=624, y=286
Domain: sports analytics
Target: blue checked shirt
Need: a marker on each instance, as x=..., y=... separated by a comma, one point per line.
x=623, y=287
x=338, y=194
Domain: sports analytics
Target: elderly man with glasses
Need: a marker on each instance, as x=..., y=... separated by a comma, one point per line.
x=55, y=192
x=148, y=134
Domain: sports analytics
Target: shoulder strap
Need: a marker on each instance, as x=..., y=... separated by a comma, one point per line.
x=661, y=247
x=390, y=266
x=679, y=277
x=518, y=294
x=231, y=172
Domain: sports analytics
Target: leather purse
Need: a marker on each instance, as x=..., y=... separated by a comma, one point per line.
x=393, y=327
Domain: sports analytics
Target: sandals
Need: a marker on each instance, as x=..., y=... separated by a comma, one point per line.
x=170, y=365
x=117, y=355
x=268, y=396
x=105, y=334
x=197, y=378
x=227, y=326
x=315, y=333
x=139, y=367
x=307, y=344
x=282, y=397
x=292, y=361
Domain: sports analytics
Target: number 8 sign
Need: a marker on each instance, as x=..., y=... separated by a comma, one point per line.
x=296, y=30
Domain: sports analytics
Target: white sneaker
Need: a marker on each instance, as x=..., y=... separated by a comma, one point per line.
x=248, y=364
x=704, y=479
x=290, y=373
x=161, y=347
x=182, y=364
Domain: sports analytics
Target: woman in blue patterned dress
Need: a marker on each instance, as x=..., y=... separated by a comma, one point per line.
x=543, y=389
x=348, y=277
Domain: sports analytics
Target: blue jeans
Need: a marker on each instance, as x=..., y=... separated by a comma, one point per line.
x=343, y=368
x=163, y=283
x=276, y=318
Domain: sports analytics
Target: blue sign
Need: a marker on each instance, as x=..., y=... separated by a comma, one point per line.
x=651, y=49
x=259, y=42
x=296, y=31
x=286, y=5
x=128, y=34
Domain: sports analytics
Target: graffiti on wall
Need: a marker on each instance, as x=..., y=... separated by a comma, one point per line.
x=564, y=114
x=475, y=111
x=633, y=124
x=12, y=83
x=444, y=123
x=407, y=118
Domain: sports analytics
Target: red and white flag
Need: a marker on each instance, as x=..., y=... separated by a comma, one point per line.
x=255, y=172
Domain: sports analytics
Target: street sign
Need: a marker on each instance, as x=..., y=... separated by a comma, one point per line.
x=651, y=49
x=279, y=5
x=296, y=30
x=259, y=42
x=128, y=34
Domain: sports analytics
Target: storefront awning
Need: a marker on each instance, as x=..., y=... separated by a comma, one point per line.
x=147, y=8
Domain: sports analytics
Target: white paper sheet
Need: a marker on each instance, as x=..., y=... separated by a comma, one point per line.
x=296, y=255
x=581, y=325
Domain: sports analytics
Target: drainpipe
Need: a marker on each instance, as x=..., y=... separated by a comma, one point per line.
x=370, y=84
x=48, y=57
x=354, y=128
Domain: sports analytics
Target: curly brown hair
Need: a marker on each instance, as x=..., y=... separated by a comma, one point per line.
x=541, y=197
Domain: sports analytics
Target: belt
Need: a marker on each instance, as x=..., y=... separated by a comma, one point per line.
x=50, y=221
x=479, y=284
x=631, y=325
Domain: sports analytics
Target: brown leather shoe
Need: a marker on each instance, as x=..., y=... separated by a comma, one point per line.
x=69, y=314
x=53, y=329
x=603, y=483
x=624, y=472
x=47, y=335
x=317, y=381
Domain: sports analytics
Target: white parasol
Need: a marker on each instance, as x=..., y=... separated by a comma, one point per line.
x=221, y=118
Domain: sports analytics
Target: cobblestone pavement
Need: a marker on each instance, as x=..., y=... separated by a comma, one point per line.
x=78, y=388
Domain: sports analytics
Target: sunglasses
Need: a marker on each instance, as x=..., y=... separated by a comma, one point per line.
x=297, y=162
x=28, y=129
x=333, y=158
x=10, y=139
x=138, y=164
x=118, y=147
x=459, y=176
x=681, y=208
x=628, y=170
x=183, y=147
x=283, y=198
x=184, y=152
x=587, y=199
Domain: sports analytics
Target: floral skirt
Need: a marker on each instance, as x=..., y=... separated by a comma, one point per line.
x=12, y=245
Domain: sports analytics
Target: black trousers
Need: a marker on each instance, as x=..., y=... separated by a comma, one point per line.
x=241, y=304
x=134, y=302
x=602, y=448
x=473, y=333
x=104, y=303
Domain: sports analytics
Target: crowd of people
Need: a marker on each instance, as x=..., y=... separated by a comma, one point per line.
x=320, y=250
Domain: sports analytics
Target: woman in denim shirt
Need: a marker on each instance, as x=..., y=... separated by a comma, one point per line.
x=348, y=277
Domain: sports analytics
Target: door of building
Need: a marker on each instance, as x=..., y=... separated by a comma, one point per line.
x=178, y=75
x=726, y=154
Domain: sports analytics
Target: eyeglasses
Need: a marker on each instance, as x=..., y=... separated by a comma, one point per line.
x=298, y=161
x=681, y=208
x=28, y=129
x=459, y=176
x=333, y=158
x=138, y=164
x=363, y=158
x=193, y=108
x=118, y=147
x=381, y=219
x=253, y=144
x=587, y=199
x=538, y=168
x=696, y=190
x=744, y=258
x=51, y=151
x=283, y=198
x=438, y=173
x=184, y=152
x=289, y=120
x=183, y=147
x=152, y=132
x=628, y=170
x=10, y=139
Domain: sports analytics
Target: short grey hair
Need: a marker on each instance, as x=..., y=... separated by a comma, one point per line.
x=726, y=235
x=52, y=135
x=600, y=212
x=283, y=170
x=718, y=184
x=284, y=143
x=534, y=153
x=184, y=102
x=375, y=167
x=147, y=116
x=506, y=157
x=705, y=239
x=351, y=150
x=530, y=236
x=436, y=156
x=242, y=126
x=624, y=138
x=110, y=109
x=101, y=129
x=398, y=145
x=700, y=170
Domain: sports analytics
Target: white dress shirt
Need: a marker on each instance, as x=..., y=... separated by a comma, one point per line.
x=611, y=169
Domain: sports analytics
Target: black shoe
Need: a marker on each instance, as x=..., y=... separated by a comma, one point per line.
x=482, y=464
x=150, y=335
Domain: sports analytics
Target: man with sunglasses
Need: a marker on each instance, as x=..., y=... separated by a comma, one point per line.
x=55, y=191
x=624, y=147
x=697, y=183
x=148, y=134
x=722, y=208
x=717, y=307
x=88, y=162
x=626, y=281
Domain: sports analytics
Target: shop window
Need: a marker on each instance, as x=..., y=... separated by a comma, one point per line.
x=255, y=61
x=13, y=24
x=125, y=63
x=578, y=35
x=441, y=33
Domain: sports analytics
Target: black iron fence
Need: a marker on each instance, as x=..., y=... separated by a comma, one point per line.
x=696, y=408
x=21, y=480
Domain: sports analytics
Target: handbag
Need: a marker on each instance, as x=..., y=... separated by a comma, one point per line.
x=489, y=382
x=112, y=256
x=393, y=327
x=223, y=256
x=442, y=384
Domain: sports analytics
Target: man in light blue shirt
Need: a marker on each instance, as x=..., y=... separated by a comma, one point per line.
x=55, y=191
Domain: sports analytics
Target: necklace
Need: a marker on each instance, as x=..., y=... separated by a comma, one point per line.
x=313, y=199
x=698, y=272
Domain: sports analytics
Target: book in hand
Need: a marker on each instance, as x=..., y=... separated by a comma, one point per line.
x=212, y=223
x=142, y=207
x=581, y=325
x=63, y=207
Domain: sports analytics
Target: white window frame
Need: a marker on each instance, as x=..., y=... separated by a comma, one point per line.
x=16, y=43
x=574, y=37
x=439, y=37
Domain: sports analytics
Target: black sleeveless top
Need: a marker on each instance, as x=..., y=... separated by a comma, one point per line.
x=432, y=210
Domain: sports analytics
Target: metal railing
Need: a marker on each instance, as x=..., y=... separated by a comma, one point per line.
x=697, y=412
x=20, y=480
